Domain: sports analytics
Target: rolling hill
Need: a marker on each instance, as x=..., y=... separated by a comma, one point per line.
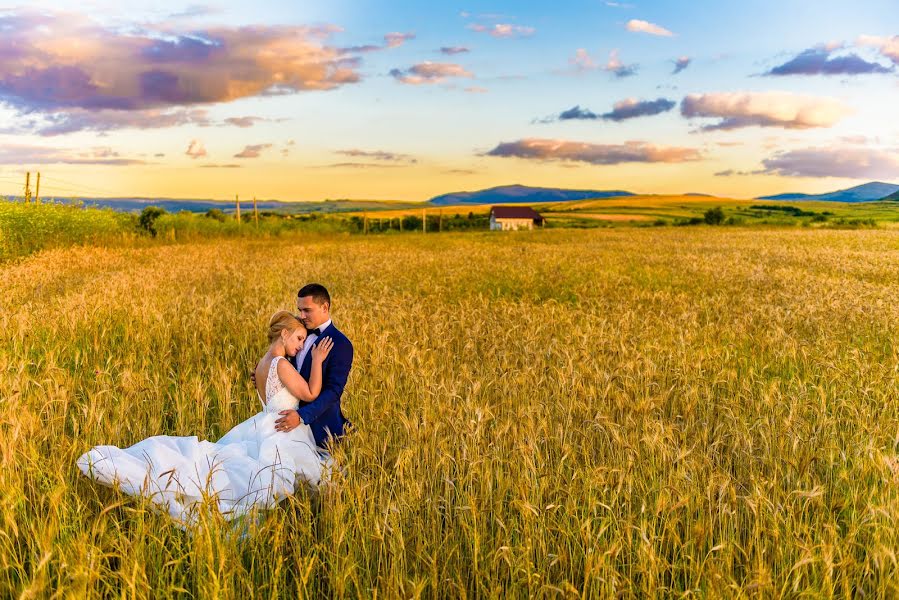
x=867, y=192
x=173, y=205
x=522, y=193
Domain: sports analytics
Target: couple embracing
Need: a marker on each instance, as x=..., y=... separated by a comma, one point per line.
x=258, y=463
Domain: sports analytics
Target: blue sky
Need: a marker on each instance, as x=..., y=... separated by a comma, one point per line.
x=311, y=100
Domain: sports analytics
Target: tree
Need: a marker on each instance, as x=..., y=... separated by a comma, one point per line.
x=148, y=218
x=215, y=213
x=714, y=216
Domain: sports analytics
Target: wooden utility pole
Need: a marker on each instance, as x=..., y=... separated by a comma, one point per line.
x=400, y=219
x=237, y=203
x=424, y=220
x=255, y=213
x=365, y=223
x=37, y=189
x=27, y=187
x=440, y=222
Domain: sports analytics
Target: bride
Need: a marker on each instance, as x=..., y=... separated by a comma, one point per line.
x=253, y=465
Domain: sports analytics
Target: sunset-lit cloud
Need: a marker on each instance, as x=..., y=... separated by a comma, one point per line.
x=852, y=163
x=821, y=61
x=503, y=30
x=575, y=113
x=196, y=149
x=429, y=72
x=629, y=108
x=63, y=64
x=887, y=46
x=582, y=61
x=16, y=154
x=735, y=110
x=377, y=155
x=252, y=151
x=391, y=40
x=243, y=122
x=80, y=119
x=680, y=64
x=595, y=154
x=453, y=50
x=618, y=68
x=396, y=39
x=638, y=26
x=359, y=165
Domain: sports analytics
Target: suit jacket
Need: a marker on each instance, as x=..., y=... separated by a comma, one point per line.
x=323, y=414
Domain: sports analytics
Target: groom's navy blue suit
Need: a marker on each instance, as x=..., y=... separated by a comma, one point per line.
x=323, y=414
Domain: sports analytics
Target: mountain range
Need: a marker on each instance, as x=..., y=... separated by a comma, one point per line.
x=875, y=190
x=522, y=193
x=868, y=192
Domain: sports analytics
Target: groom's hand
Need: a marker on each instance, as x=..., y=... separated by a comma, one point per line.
x=290, y=420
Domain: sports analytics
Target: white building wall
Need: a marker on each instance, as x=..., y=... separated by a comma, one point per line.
x=516, y=224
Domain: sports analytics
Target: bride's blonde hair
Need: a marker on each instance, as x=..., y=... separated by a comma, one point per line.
x=282, y=320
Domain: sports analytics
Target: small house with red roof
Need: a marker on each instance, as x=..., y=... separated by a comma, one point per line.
x=513, y=218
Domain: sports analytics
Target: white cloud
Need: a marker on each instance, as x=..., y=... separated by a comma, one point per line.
x=638, y=26
x=889, y=47
x=503, y=30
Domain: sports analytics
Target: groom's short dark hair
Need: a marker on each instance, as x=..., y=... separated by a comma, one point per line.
x=318, y=292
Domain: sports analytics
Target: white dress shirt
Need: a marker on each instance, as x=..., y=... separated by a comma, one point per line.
x=307, y=344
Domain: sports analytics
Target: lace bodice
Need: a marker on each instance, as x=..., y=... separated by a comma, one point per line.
x=277, y=397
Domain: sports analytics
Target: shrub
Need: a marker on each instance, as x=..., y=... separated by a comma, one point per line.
x=714, y=216
x=681, y=222
x=216, y=213
x=148, y=216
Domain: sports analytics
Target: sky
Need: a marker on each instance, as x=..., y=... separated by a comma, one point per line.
x=401, y=100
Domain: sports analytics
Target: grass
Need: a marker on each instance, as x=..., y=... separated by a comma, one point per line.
x=637, y=413
x=654, y=210
x=27, y=228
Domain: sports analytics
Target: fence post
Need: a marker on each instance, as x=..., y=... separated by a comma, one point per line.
x=37, y=190
x=237, y=203
x=27, y=187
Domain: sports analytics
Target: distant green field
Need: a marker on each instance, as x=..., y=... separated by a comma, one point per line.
x=631, y=211
x=675, y=210
x=28, y=228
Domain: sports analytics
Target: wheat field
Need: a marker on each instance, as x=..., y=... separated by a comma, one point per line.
x=636, y=413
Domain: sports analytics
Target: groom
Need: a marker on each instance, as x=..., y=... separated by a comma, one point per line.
x=323, y=414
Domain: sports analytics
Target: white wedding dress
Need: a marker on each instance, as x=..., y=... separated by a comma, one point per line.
x=252, y=466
